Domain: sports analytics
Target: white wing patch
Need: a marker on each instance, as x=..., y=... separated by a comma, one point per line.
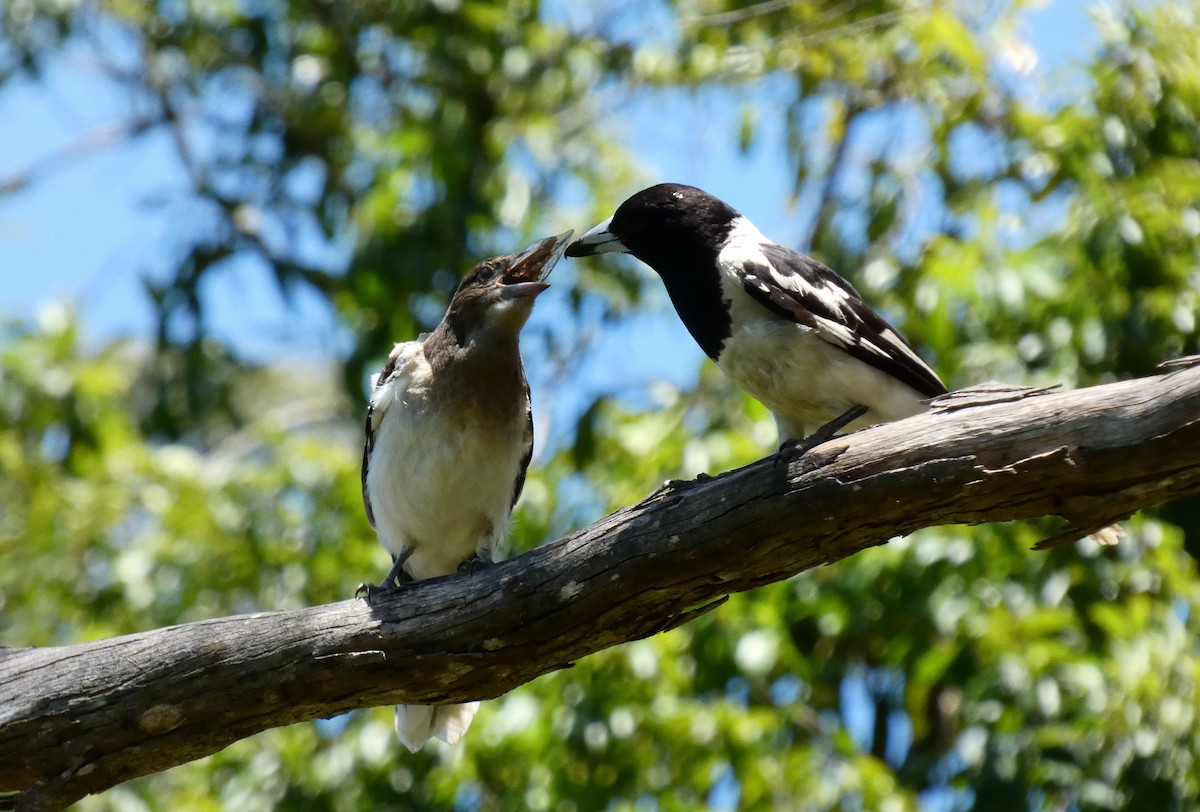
x=760, y=277
x=744, y=247
x=839, y=333
x=832, y=297
x=898, y=345
x=742, y=231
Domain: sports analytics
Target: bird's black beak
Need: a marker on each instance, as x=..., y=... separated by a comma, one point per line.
x=526, y=275
x=598, y=240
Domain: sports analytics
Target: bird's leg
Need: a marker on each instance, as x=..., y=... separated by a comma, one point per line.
x=481, y=559
x=791, y=449
x=392, y=581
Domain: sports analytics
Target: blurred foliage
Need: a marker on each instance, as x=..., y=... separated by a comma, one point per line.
x=368, y=150
x=371, y=150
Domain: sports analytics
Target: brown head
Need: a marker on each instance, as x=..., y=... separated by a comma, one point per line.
x=494, y=300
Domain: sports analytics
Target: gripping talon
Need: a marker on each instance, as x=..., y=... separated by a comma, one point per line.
x=395, y=579
x=477, y=562
x=368, y=591
x=793, y=449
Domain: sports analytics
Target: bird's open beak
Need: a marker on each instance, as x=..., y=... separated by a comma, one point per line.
x=598, y=240
x=529, y=269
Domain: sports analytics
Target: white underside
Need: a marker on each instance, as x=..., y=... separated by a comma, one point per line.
x=441, y=485
x=805, y=381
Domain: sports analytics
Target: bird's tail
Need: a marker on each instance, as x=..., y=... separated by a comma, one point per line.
x=417, y=724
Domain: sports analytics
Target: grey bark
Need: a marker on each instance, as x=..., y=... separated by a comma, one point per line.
x=79, y=719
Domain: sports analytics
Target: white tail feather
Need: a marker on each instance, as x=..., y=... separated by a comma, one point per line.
x=417, y=724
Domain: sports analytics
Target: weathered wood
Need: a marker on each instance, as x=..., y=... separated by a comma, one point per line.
x=78, y=719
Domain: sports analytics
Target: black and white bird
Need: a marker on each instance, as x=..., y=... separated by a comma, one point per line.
x=787, y=329
x=449, y=439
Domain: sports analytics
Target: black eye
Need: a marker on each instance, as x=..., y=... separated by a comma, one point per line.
x=486, y=274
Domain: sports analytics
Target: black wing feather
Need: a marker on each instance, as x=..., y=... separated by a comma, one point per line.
x=873, y=340
x=369, y=445
x=527, y=456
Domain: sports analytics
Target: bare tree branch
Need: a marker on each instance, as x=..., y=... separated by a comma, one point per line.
x=83, y=147
x=79, y=719
x=739, y=15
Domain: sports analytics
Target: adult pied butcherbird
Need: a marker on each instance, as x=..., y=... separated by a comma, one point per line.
x=449, y=437
x=785, y=328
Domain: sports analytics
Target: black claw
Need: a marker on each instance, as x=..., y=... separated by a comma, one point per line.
x=475, y=563
x=373, y=590
x=369, y=591
x=793, y=449
x=390, y=583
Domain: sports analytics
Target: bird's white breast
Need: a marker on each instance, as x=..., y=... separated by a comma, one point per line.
x=440, y=479
x=805, y=381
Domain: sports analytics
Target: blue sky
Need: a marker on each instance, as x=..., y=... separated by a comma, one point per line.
x=85, y=232
x=88, y=232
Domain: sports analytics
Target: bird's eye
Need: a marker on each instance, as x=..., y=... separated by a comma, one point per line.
x=486, y=274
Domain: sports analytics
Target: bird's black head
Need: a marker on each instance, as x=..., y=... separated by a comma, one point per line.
x=496, y=297
x=659, y=224
x=678, y=231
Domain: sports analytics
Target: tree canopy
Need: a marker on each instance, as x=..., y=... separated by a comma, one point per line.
x=1018, y=227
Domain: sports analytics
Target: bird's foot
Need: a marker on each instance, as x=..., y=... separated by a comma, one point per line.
x=395, y=579
x=370, y=591
x=477, y=562
x=794, y=449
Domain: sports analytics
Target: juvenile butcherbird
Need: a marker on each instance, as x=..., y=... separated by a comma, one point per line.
x=449, y=438
x=785, y=328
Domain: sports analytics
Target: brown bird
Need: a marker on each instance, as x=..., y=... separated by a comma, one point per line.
x=449, y=439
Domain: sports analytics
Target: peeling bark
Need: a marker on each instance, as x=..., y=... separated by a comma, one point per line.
x=79, y=719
